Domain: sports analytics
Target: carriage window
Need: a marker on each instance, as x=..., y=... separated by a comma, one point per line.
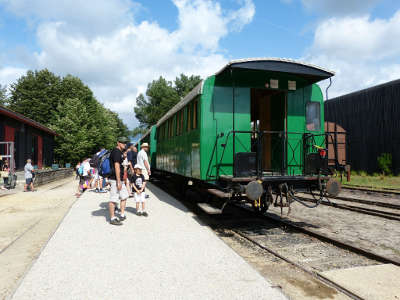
x=194, y=115
x=189, y=118
x=181, y=120
x=313, y=116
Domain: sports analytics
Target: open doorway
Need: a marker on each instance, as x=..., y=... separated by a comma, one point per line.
x=268, y=113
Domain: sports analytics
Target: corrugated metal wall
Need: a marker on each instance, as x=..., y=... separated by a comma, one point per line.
x=371, y=118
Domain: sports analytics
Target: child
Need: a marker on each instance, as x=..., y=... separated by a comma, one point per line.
x=138, y=184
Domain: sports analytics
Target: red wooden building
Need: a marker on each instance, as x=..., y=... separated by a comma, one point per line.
x=31, y=139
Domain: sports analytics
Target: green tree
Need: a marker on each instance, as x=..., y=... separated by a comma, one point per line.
x=184, y=84
x=138, y=131
x=161, y=96
x=36, y=95
x=3, y=95
x=73, y=140
x=68, y=106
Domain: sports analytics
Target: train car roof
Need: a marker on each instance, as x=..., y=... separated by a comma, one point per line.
x=311, y=72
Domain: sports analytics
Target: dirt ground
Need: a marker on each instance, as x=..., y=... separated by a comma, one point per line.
x=27, y=221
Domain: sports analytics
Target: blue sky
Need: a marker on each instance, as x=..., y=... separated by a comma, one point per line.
x=118, y=46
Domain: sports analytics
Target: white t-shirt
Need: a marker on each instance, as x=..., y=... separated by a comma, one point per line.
x=141, y=158
x=86, y=168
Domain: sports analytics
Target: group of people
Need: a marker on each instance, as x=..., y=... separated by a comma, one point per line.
x=130, y=171
x=29, y=174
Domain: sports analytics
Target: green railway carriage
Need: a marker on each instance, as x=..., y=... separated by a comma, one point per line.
x=253, y=128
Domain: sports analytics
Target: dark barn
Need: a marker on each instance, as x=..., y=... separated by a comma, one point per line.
x=371, y=118
x=31, y=139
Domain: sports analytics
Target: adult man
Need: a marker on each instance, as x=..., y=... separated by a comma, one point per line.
x=29, y=170
x=132, y=156
x=143, y=160
x=118, y=189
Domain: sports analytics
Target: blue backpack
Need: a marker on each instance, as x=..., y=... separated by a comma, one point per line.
x=105, y=168
x=80, y=170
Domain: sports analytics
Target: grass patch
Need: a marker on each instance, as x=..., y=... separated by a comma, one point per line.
x=375, y=181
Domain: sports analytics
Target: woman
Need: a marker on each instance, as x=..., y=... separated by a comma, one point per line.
x=5, y=172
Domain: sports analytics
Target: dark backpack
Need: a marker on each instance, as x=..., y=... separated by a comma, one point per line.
x=95, y=160
x=105, y=167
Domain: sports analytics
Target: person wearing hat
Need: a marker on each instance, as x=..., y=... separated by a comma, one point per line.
x=118, y=191
x=138, y=185
x=143, y=160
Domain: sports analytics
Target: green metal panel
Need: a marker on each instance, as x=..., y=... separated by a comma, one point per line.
x=153, y=147
x=180, y=154
x=217, y=117
x=296, y=125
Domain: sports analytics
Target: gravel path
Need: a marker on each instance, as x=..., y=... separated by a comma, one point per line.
x=169, y=255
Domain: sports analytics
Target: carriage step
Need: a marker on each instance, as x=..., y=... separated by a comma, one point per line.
x=219, y=193
x=209, y=209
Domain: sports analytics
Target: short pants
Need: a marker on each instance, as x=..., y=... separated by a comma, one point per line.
x=140, y=198
x=145, y=174
x=28, y=180
x=115, y=194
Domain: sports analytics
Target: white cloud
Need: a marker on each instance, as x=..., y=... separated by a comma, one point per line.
x=87, y=17
x=363, y=51
x=9, y=75
x=117, y=64
x=339, y=7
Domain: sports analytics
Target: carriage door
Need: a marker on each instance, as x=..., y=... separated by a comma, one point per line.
x=261, y=121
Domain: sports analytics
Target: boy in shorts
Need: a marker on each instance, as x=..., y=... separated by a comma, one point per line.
x=139, y=184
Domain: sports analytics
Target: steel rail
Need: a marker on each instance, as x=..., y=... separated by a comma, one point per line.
x=315, y=275
x=363, y=210
x=369, y=202
x=372, y=190
x=344, y=245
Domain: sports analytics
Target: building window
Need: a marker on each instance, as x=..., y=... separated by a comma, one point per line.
x=313, y=116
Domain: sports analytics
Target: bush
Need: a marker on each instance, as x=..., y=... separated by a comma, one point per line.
x=385, y=163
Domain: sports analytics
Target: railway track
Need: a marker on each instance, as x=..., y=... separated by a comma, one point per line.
x=388, y=209
x=386, y=191
x=303, y=248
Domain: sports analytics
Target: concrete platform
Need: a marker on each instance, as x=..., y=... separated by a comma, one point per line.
x=372, y=282
x=169, y=255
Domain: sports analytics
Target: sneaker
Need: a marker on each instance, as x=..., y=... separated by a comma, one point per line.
x=102, y=191
x=96, y=190
x=115, y=222
x=145, y=214
x=122, y=218
x=138, y=213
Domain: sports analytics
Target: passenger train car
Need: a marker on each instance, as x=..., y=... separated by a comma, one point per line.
x=253, y=131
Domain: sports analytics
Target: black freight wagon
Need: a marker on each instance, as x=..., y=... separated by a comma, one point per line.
x=371, y=118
